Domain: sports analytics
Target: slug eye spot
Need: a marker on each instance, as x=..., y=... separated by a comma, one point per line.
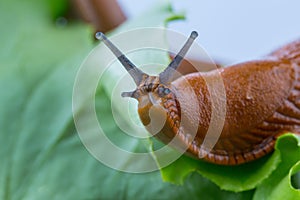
x=162, y=91
x=167, y=91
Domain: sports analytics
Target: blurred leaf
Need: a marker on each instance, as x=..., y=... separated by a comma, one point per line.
x=59, y=8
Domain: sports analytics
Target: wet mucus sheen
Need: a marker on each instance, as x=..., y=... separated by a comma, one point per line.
x=262, y=103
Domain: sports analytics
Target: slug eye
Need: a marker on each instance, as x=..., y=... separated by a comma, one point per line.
x=167, y=91
x=162, y=91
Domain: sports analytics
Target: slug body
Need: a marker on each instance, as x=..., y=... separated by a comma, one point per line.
x=262, y=102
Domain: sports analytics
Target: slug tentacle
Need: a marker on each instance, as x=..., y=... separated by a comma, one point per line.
x=167, y=76
x=137, y=74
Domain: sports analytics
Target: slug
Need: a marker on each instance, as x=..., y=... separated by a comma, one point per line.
x=262, y=103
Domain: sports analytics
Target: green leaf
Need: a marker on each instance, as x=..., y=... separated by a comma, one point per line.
x=238, y=178
x=278, y=185
x=284, y=189
x=233, y=178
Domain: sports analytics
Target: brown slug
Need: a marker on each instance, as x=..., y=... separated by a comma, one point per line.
x=262, y=103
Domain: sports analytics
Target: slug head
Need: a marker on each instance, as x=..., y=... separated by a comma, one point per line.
x=151, y=95
x=152, y=92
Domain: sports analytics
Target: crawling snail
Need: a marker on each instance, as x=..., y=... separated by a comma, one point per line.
x=263, y=102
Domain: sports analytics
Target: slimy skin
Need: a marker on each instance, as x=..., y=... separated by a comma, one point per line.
x=262, y=103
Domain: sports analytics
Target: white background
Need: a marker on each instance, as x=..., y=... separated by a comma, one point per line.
x=233, y=30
